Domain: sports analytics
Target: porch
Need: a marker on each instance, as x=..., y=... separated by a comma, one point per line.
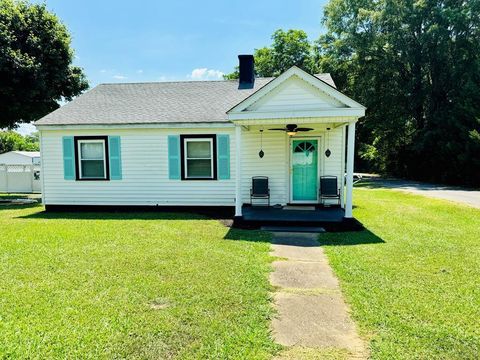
x=268, y=214
x=329, y=218
x=292, y=131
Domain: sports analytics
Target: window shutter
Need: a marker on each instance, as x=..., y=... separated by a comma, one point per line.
x=115, y=158
x=174, y=157
x=223, y=157
x=68, y=158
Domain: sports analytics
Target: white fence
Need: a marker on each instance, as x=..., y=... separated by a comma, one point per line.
x=20, y=178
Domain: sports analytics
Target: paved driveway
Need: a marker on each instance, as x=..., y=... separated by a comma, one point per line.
x=462, y=195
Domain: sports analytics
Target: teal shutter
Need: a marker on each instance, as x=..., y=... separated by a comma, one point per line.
x=68, y=158
x=223, y=157
x=115, y=158
x=174, y=157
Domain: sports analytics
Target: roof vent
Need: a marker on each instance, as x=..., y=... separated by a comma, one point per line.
x=247, y=72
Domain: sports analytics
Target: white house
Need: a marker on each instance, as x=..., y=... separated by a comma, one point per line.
x=198, y=143
x=20, y=158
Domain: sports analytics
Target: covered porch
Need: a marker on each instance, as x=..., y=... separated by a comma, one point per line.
x=294, y=165
x=293, y=131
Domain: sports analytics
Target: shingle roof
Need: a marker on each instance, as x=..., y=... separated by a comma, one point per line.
x=160, y=102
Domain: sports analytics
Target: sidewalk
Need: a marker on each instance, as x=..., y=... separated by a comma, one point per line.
x=312, y=316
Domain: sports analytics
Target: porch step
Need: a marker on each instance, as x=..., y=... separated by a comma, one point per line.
x=300, y=229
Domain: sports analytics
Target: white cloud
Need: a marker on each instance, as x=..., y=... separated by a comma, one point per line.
x=205, y=74
x=119, y=77
x=140, y=71
x=103, y=71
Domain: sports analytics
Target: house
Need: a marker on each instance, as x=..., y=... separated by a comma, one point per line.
x=198, y=143
x=20, y=158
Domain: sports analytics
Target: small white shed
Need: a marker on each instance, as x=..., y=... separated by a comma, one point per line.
x=20, y=158
x=20, y=172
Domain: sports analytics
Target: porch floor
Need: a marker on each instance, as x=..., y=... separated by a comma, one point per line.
x=274, y=215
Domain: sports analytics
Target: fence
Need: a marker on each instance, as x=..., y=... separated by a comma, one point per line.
x=20, y=178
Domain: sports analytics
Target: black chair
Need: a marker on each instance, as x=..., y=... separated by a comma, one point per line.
x=260, y=189
x=329, y=189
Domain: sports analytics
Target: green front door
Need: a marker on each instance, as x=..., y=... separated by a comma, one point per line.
x=305, y=170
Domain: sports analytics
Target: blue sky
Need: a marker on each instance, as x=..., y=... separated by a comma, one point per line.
x=129, y=41
x=136, y=41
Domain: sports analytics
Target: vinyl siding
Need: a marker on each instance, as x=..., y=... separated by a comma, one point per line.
x=295, y=94
x=144, y=173
x=145, y=179
x=276, y=162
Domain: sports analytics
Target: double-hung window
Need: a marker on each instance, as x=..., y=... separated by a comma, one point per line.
x=198, y=157
x=91, y=156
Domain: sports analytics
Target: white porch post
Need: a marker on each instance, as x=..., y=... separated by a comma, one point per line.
x=238, y=166
x=350, y=158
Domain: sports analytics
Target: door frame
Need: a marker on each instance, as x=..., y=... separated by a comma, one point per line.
x=290, y=167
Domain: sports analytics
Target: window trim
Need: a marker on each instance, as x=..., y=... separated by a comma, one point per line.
x=77, y=141
x=184, y=139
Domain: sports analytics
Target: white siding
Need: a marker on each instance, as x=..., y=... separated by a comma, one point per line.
x=276, y=162
x=145, y=168
x=295, y=94
x=144, y=171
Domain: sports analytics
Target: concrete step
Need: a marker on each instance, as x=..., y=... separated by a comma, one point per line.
x=298, y=229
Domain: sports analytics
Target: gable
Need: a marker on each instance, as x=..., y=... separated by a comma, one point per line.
x=295, y=94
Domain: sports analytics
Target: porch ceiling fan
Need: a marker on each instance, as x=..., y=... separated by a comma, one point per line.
x=291, y=129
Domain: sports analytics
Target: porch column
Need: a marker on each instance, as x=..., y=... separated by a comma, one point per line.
x=238, y=166
x=350, y=158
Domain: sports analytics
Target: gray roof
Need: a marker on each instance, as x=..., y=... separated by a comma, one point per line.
x=156, y=103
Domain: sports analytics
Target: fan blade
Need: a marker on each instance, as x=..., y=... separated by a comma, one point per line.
x=281, y=129
x=303, y=129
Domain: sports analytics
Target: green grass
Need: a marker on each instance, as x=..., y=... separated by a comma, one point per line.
x=162, y=286
x=13, y=196
x=142, y=285
x=413, y=278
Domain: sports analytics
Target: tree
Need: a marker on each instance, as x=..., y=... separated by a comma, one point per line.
x=36, y=68
x=288, y=48
x=10, y=140
x=415, y=65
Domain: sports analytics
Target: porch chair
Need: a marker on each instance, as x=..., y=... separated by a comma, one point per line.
x=329, y=189
x=260, y=189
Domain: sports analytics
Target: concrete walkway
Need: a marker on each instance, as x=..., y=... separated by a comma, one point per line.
x=312, y=314
x=466, y=196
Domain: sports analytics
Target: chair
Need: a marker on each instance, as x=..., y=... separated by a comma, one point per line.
x=329, y=189
x=260, y=189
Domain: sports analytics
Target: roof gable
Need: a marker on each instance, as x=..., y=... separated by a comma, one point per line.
x=294, y=93
x=295, y=90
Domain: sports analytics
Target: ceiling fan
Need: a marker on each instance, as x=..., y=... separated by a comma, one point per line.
x=292, y=129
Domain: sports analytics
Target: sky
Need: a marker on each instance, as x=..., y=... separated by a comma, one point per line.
x=147, y=40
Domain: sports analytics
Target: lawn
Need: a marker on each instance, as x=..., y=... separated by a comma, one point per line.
x=412, y=278
x=152, y=285
x=5, y=196
x=142, y=285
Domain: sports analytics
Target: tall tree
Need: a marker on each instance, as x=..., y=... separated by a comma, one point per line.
x=288, y=48
x=10, y=140
x=415, y=65
x=36, y=70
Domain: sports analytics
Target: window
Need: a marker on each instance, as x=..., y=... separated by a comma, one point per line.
x=91, y=158
x=198, y=157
